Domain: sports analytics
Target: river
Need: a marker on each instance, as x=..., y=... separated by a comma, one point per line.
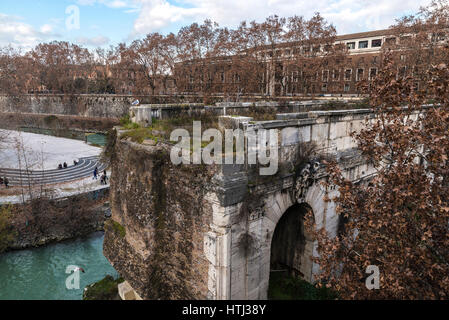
x=40, y=274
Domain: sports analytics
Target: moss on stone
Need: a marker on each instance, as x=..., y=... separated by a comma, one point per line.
x=117, y=228
x=105, y=289
x=127, y=124
x=138, y=135
x=286, y=287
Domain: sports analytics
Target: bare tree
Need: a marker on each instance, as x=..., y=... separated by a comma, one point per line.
x=148, y=55
x=398, y=221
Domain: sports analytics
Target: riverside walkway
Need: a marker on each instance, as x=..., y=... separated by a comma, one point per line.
x=85, y=168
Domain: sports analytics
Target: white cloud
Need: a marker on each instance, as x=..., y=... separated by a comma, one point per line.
x=15, y=32
x=116, y=4
x=161, y=15
x=46, y=28
x=347, y=15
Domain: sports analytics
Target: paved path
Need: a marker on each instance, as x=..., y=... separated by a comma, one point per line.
x=85, y=168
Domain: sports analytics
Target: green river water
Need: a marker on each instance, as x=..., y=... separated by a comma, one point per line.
x=40, y=274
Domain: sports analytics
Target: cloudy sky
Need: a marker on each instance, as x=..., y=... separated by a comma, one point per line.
x=23, y=23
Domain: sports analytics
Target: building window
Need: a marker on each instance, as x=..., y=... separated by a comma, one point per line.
x=390, y=41
x=348, y=74
x=363, y=44
x=325, y=76
x=405, y=39
x=359, y=74
x=351, y=45
x=222, y=77
x=324, y=87
x=347, y=87
x=295, y=76
x=376, y=43
x=335, y=75
x=372, y=73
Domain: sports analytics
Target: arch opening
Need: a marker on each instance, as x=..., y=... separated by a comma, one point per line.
x=289, y=245
x=291, y=248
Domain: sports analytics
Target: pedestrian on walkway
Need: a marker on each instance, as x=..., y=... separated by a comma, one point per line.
x=6, y=182
x=96, y=173
x=65, y=165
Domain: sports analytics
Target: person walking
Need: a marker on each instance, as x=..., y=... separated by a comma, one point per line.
x=96, y=173
x=105, y=177
x=6, y=182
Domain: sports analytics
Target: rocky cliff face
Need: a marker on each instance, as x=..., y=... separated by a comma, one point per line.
x=42, y=221
x=159, y=217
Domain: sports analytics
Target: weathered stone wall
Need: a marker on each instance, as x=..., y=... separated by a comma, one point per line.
x=144, y=113
x=106, y=106
x=159, y=218
x=86, y=105
x=15, y=121
x=225, y=224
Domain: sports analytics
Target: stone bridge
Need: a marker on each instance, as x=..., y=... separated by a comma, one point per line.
x=217, y=232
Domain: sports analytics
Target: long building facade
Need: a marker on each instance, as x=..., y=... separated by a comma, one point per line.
x=361, y=61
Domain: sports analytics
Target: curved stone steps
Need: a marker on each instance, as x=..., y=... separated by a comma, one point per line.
x=84, y=169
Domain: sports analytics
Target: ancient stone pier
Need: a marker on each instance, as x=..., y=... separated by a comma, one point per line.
x=216, y=232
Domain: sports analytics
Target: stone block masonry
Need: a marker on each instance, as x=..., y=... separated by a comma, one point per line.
x=215, y=232
x=106, y=106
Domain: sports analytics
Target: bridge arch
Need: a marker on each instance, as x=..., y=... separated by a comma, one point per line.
x=282, y=208
x=248, y=274
x=292, y=244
